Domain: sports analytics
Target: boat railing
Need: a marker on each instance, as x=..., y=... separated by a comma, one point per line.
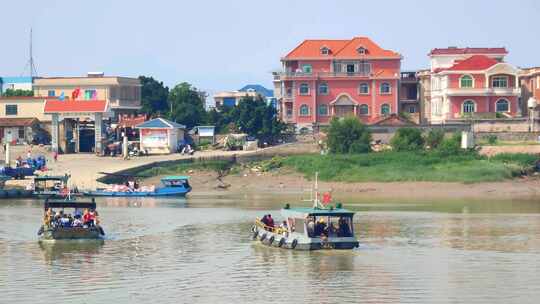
x=277, y=230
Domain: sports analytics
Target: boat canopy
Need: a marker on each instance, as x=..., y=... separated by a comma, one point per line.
x=62, y=178
x=174, y=178
x=303, y=212
x=69, y=204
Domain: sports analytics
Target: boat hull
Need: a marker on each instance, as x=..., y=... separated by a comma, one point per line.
x=71, y=233
x=272, y=239
x=162, y=192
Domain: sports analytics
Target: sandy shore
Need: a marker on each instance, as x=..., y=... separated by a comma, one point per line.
x=287, y=182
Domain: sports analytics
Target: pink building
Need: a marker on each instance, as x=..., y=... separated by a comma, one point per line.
x=472, y=82
x=327, y=78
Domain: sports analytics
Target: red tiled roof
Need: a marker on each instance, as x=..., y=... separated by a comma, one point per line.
x=18, y=122
x=458, y=51
x=340, y=49
x=474, y=63
x=69, y=105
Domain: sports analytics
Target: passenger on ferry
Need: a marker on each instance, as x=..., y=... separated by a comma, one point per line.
x=64, y=221
x=321, y=228
x=344, y=229
x=270, y=221
x=311, y=226
x=88, y=218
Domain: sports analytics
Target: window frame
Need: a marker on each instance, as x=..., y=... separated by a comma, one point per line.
x=321, y=85
x=360, y=88
x=413, y=108
x=507, y=105
x=498, y=78
x=461, y=81
x=389, y=109
x=303, y=106
x=300, y=89
x=11, y=113
x=468, y=101
x=321, y=106
x=325, y=51
x=51, y=93
x=363, y=106
x=389, y=88
x=21, y=131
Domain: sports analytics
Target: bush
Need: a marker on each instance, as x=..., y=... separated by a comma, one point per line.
x=407, y=139
x=348, y=135
x=434, y=138
x=492, y=139
x=450, y=146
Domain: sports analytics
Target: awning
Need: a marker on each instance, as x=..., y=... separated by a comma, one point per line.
x=18, y=122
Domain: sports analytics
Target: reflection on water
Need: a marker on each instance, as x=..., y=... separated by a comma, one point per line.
x=199, y=250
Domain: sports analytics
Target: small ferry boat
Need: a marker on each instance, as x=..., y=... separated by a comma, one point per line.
x=51, y=185
x=171, y=186
x=59, y=225
x=323, y=226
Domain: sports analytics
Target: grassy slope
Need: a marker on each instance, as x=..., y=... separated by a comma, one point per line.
x=410, y=166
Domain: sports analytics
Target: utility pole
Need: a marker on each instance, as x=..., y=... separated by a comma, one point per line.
x=30, y=64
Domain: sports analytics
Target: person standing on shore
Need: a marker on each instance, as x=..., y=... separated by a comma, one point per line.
x=55, y=156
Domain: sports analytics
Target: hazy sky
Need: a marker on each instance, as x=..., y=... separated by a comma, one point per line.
x=222, y=45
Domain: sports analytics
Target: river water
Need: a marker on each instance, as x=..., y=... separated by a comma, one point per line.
x=199, y=251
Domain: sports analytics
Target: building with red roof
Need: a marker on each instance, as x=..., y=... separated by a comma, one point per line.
x=322, y=79
x=469, y=82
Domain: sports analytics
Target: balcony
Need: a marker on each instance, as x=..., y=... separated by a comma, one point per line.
x=483, y=92
x=293, y=75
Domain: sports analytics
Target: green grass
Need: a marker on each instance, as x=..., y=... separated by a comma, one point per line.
x=411, y=166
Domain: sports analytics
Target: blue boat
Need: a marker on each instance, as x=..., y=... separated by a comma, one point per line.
x=171, y=186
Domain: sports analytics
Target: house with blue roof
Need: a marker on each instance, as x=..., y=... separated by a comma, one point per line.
x=160, y=136
x=232, y=98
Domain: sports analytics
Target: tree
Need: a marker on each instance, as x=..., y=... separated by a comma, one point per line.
x=434, y=138
x=187, y=105
x=17, y=92
x=257, y=118
x=407, y=139
x=348, y=135
x=153, y=96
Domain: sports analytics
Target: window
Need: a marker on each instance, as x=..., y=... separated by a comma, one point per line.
x=412, y=109
x=385, y=109
x=350, y=68
x=21, y=132
x=11, y=109
x=499, y=82
x=304, y=110
x=502, y=105
x=469, y=106
x=304, y=89
x=307, y=69
x=364, y=109
x=363, y=88
x=361, y=50
x=90, y=94
x=385, y=88
x=325, y=51
x=364, y=68
x=51, y=93
x=323, y=110
x=288, y=92
x=466, y=81
x=323, y=89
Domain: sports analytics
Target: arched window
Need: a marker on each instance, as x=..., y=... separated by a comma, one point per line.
x=323, y=110
x=304, y=89
x=385, y=88
x=502, y=105
x=466, y=81
x=385, y=109
x=364, y=109
x=468, y=106
x=363, y=88
x=323, y=89
x=304, y=110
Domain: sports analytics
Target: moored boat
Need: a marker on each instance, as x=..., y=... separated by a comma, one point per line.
x=323, y=226
x=171, y=186
x=58, y=225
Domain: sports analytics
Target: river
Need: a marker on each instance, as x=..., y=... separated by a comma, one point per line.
x=199, y=251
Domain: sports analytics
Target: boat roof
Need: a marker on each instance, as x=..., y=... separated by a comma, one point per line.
x=305, y=211
x=51, y=177
x=175, y=177
x=59, y=203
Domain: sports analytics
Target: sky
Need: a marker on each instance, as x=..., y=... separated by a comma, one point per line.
x=223, y=45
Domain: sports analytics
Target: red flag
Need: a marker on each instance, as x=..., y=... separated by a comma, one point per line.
x=326, y=198
x=75, y=93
